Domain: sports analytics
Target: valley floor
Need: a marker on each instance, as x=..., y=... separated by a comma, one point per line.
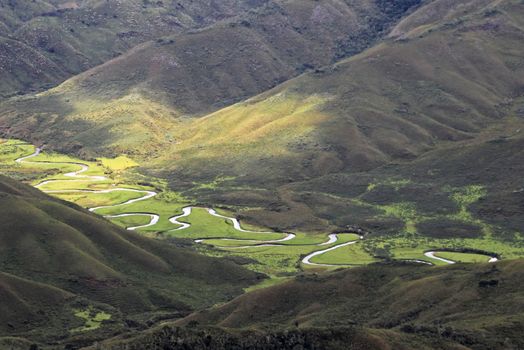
x=111, y=188
x=114, y=189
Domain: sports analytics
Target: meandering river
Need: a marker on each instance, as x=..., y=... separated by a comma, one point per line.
x=80, y=175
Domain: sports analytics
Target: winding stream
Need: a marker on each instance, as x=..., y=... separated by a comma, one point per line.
x=154, y=218
x=432, y=255
x=77, y=175
x=236, y=225
x=307, y=260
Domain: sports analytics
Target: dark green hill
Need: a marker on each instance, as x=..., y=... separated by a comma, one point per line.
x=376, y=307
x=57, y=259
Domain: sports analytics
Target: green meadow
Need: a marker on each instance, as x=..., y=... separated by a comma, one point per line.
x=258, y=249
x=93, y=319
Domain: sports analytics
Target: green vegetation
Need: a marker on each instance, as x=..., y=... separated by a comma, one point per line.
x=275, y=261
x=288, y=148
x=93, y=319
x=13, y=149
x=56, y=259
x=463, y=257
x=421, y=231
x=300, y=239
x=203, y=225
x=404, y=211
x=415, y=144
x=353, y=255
x=69, y=39
x=112, y=112
x=455, y=306
x=214, y=184
x=466, y=197
x=90, y=200
x=131, y=221
x=119, y=163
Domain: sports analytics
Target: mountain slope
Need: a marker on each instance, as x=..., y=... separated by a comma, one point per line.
x=394, y=101
x=58, y=39
x=447, y=75
x=57, y=258
x=459, y=78
x=374, y=307
x=193, y=73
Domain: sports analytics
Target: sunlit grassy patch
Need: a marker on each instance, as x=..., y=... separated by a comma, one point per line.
x=412, y=247
x=300, y=239
x=395, y=183
x=404, y=211
x=89, y=200
x=414, y=254
x=353, y=254
x=131, y=221
x=154, y=205
x=119, y=163
x=275, y=260
x=75, y=184
x=10, y=150
x=280, y=261
x=214, y=184
x=268, y=282
x=466, y=196
x=204, y=225
x=463, y=257
x=93, y=319
x=56, y=159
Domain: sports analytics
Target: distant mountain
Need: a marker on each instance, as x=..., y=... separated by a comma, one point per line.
x=44, y=42
x=57, y=258
x=400, y=98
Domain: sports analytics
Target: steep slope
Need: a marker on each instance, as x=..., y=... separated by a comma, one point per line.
x=58, y=260
x=400, y=307
x=394, y=101
x=73, y=36
x=196, y=72
x=345, y=127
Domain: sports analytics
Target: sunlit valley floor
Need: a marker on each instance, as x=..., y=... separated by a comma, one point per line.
x=111, y=188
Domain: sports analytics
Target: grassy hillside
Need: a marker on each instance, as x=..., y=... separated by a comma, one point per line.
x=392, y=102
x=376, y=321
x=400, y=307
x=55, y=40
x=195, y=72
x=64, y=271
x=411, y=120
x=346, y=338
